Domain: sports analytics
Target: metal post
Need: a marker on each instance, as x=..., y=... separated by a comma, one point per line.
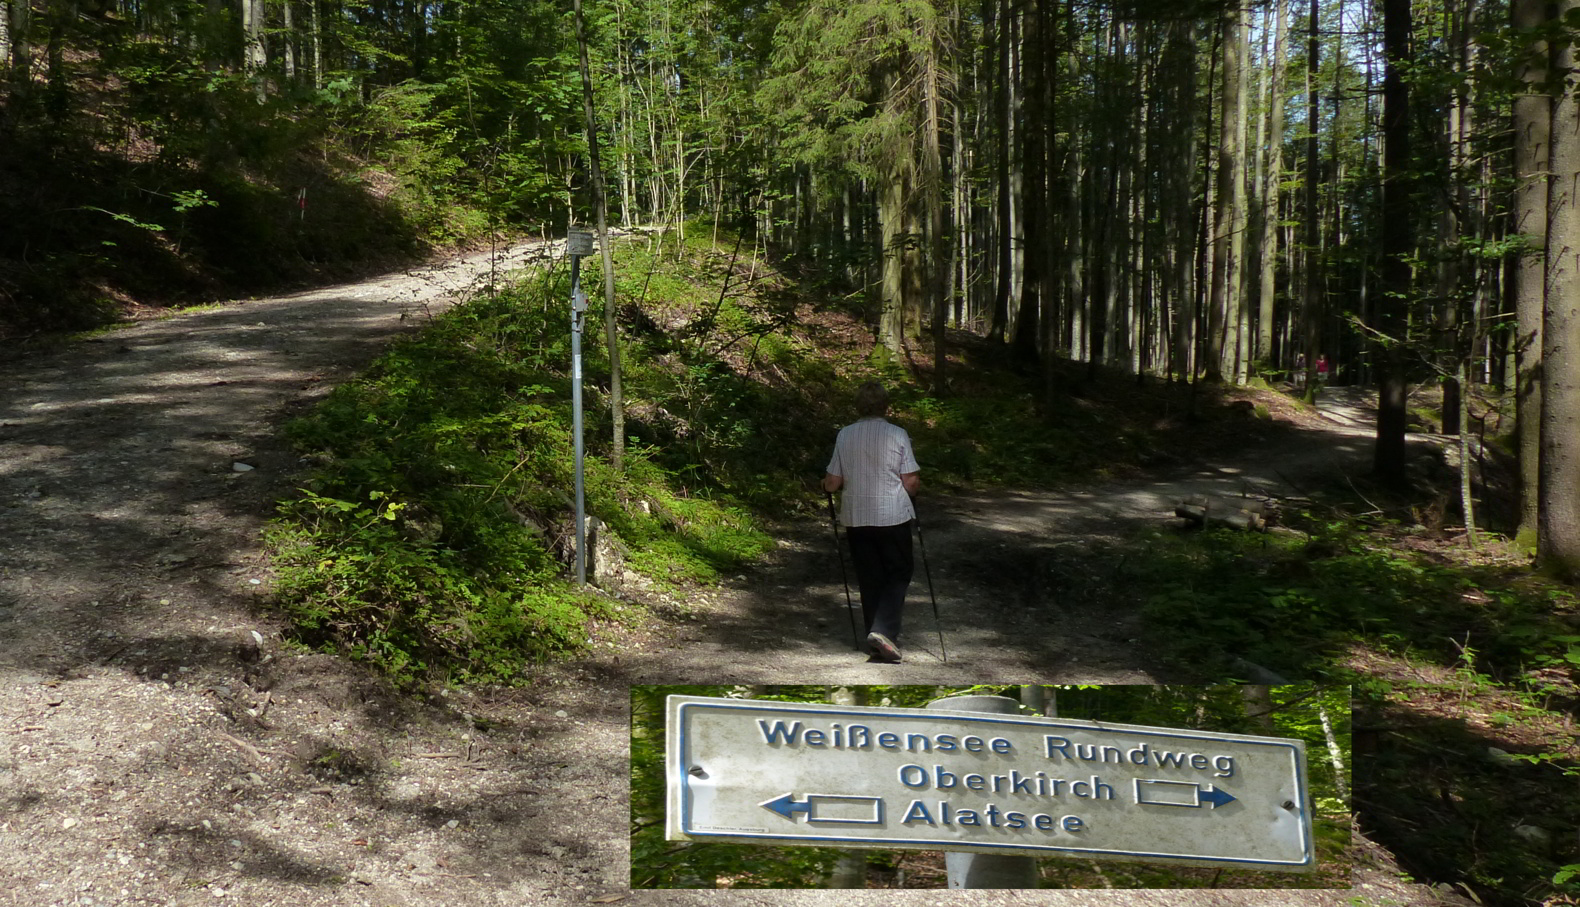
x=578, y=244
x=985, y=870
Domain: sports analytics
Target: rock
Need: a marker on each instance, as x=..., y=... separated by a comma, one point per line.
x=606, y=568
x=239, y=466
x=562, y=714
x=1538, y=839
x=1502, y=757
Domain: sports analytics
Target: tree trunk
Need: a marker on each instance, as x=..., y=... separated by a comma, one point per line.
x=1072, y=235
x=1532, y=123
x=318, y=45
x=1559, y=520
x=1005, y=207
x=891, y=217
x=1311, y=273
x=601, y=207
x=5, y=39
x=1335, y=754
x=1258, y=699
x=21, y=14
x=1239, y=311
x=1181, y=171
x=938, y=240
x=1393, y=309
x=255, y=57
x=1272, y=176
x=1467, y=492
x=1230, y=197
x=288, y=42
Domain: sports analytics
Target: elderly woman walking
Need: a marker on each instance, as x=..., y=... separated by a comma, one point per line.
x=875, y=470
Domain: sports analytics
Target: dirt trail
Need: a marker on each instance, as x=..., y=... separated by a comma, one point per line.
x=157, y=746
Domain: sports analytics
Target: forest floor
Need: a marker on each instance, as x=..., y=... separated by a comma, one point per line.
x=159, y=745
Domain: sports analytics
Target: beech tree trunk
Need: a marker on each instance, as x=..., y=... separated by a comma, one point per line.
x=20, y=32
x=1389, y=456
x=1559, y=505
x=1532, y=123
x=255, y=57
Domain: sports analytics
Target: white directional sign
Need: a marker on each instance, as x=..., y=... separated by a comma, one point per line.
x=793, y=773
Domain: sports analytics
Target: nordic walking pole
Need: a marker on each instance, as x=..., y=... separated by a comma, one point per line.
x=833, y=523
x=930, y=594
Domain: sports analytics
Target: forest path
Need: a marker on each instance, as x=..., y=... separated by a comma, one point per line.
x=1021, y=578
x=159, y=746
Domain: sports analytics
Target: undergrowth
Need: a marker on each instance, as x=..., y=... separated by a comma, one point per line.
x=432, y=537
x=1465, y=677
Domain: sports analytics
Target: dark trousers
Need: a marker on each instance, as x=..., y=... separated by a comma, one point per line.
x=882, y=555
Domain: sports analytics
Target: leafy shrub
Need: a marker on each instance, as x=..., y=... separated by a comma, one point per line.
x=427, y=542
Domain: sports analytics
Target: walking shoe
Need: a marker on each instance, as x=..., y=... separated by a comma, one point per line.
x=882, y=647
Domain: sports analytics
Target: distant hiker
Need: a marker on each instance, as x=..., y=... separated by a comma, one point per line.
x=874, y=464
x=1322, y=370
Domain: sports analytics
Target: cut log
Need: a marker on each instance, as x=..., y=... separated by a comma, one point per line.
x=1216, y=514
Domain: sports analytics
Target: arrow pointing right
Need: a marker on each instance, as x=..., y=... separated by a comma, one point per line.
x=1189, y=794
x=1217, y=797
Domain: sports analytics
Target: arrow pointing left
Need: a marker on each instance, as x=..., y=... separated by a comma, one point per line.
x=787, y=806
x=829, y=809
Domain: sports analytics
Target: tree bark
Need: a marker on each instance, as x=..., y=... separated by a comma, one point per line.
x=288, y=41
x=938, y=240
x=21, y=14
x=1532, y=123
x=255, y=57
x=1230, y=198
x=5, y=39
x=1311, y=272
x=1392, y=310
x=891, y=217
x=1272, y=177
x=601, y=208
x=1335, y=754
x=1559, y=519
x=1005, y=207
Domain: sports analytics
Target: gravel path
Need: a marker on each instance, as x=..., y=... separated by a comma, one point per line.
x=158, y=746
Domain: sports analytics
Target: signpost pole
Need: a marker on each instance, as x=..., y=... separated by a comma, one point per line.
x=578, y=244
x=985, y=870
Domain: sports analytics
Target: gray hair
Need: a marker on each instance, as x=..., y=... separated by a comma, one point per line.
x=871, y=400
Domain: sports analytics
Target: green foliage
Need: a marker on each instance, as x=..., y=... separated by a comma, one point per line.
x=723, y=386
x=1479, y=650
x=426, y=541
x=1289, y=603
x=420, y=545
